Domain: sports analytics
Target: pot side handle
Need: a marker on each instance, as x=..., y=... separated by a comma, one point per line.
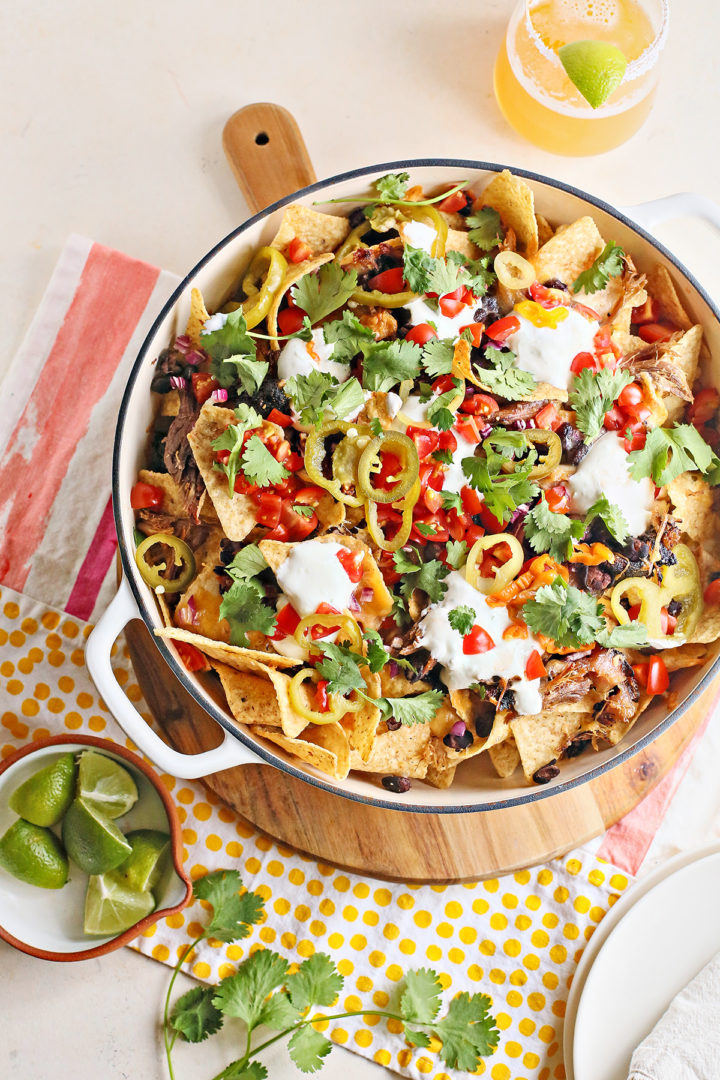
x=97, y=655
x=682, y=204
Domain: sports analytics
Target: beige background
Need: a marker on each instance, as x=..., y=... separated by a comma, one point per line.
x=111, y=125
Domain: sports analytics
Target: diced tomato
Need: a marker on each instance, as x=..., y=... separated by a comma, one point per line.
x=447, y=441
x=442, y=384
x=630, y=395
x=473, y=533
x=449, y=307
x=203, y=384
x=634, y=610
x=286, y=622
x=222, y=456
x=298, y=525
x=479, y=405
x=467, y=426
x=317, y=632
x=583, y=360
x=192, y=658
x=534, y=668
x=453, y=203
x=471, y=500
x=658, y=679
x=605, y=348
x=468, y=296
x=421, y=334
x=668, y=622
x=426, y=440
x=143, y=496
x=280, y=532
x=547, y=298
x=269, y=509
x=502, y=329
x=477, y=641
x=280, y=418
x=389, y=281
x=436, y=522
x=432, y=499
x=636, y=441
x=558, y=499
x=310, y=495
x=588, y=312
x=615, y=419
x=298, y=251
x=290, y=319
x=477, y=329
x=431, y=475
x=458, y=524
x=352, y=563
x=712, y=592
x=321, y=696
x=492, y=524
x=704, y=406
x=390, y=468
x=652, y=332
x=649, y=312
x=548, y=417
x=294, y=462
x=640, y=671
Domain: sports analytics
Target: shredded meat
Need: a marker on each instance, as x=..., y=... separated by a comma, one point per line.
x=150, y=522
x=365, y=259
x=522, y=410
x=667, y=377
x=607, y=672
x=178, y=456
x=382, y=323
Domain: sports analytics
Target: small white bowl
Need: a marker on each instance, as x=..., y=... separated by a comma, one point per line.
x=47, y=923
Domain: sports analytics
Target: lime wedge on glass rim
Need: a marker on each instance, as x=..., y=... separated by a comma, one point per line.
x=91, y=840
x=45, y=796
x=33, y=854
x=105, y=785
x=111, y=907
x=147, y=863
x=595, y=67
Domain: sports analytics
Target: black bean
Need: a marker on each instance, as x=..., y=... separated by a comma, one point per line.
x=596, y=580
x=488, y=311
x=578, y=746
x=458, y=742
x=546, y=773
x=573, y=444
x=402, y=316
x=466, y=210
x=357, y=217
x=392, y=724
x=398, y=784
x=483, y=725
x=674, y=607
x=555, y=283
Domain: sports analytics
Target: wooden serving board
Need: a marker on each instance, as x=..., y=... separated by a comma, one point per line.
x=269, y=160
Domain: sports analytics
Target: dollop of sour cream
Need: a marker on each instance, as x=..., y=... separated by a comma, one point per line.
x=418, y=235
x=214, y=322
x=459, y=669
x=548, y=351
x=446, y=327
x=604, y=471
x=312, y=575
x=303, y=357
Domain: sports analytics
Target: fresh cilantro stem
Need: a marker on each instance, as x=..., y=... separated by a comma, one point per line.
x=170, y=1042
x=398, y=202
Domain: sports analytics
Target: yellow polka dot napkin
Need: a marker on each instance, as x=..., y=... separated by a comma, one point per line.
x=517, y=938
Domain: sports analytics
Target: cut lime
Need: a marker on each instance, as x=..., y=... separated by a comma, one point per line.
x=45, y=796
x=34, y=854
x=93, y=841
x=104, y=784
x=148, y=861
x=111, y=907
x=595, y=67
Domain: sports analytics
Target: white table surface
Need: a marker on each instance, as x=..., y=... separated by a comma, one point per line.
x=111, y=127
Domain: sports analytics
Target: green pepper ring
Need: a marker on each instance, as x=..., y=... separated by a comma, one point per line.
x=151, y=574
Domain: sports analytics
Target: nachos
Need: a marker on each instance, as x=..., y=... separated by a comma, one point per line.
x=437, y=479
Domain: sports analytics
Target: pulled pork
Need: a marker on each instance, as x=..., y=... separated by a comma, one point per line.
x=606, y=672
x=178, y=457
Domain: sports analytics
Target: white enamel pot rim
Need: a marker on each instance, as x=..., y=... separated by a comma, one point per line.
x=474, y=788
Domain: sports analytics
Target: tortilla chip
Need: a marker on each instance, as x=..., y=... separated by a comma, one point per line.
x=440, y=777
x=514, y=201
x=330, y=513
x=692, y=498
x=235, y=655
x=652, y=399
x=458, y=240
x=361, y=726
x=685, y=352
x=461, y=367
x=545, y=229
x=661, y=287
x=568, y=252
x=294, y=274
x=199, y=606
x=323, y=747
x=399, y=685
x=251, y=698
x=165, y=612
x=197, y=318
x=542, y=738
x=321, y=232
x=708, y=628
x=405, y=752
x=685, y=656
x=505, y=757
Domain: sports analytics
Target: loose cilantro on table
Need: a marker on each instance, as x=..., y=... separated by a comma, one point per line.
x=554, y=533
x=593, y=394
x=427, y=576
x=671, y=451
x=503, y=378
x=349, y=337
x=389, y=363
x=264, y=992
x=611, y=516
x=324, y=292
x=259, y=466
x=609, y=263
x=456, y=553
x=437, y=357
x=462, y=619
x=571, y=617
x=503, y=493
x=486, y=231
x=319, y=393
x=232, y=440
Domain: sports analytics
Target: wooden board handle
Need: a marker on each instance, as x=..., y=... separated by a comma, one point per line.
x=267, y=154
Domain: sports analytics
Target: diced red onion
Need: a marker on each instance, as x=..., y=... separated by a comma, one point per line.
x=179, y=382
x=183, y=343
x=219, y=396
x=194, y=357
x=393, y=668
x=192, y=608
x=354, y=606
x=366, y=595
x=485, y=431
x=519, y=513
x=458, y=728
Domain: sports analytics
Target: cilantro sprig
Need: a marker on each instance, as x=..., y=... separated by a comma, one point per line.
x=502, y=492
x=243, y=604
x=319, y=294
x=571, y=617
x=503, y=378
x=593, y=394
x=389, y=363
x=392, y=187
x=671, y=451
x=264, y=992
x=462, y=619
x=319, y=395
x=486, y=230
x=548, y=531
x=609, y=263
x=233, y=440
x=427, y=576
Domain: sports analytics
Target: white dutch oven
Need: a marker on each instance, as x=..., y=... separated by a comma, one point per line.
x=475, y=787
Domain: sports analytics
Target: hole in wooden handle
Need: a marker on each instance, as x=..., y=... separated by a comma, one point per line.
x=262, y=138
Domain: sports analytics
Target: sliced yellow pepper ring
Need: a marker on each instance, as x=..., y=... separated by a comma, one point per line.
x=540, y=316
x=553, y=454
x=651, y=599
x=349, y=630
x=151, y=573
x=382, y=299
x=513, y=271
x=338, y=705
x=370, y=462
x=428, y=215
x=405, y=506
x=353, y=240
x=682, y=583
x=502, y=575
x=315, y=456
x=261, y=284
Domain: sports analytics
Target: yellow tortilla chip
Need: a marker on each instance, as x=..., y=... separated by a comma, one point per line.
x=251, y=698
x=324, y=747
x=458, y=240
x=545, y=229
x=685, y=353
x=505, y=757
x=541, y=739
x=461, y=366
x=361, y=726
x=405, y=752
x=295, y=272
x=570, y=251
x=399, y=685
x=321, y=232
x=199, y=606
x=514, y=201
x=692, y=498
x=708, y=628
x=197, y=318
x=439, y=777
x=330, y=513
x=660, y=286
x=685, y=656
x=236, y=656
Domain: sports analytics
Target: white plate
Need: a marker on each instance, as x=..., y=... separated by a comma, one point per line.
x=652, y=943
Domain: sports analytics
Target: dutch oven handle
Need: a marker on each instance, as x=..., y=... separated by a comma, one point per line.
x=682, y=204
x=97, y=656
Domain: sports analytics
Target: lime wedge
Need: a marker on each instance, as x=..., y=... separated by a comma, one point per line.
x=145, y=866
x=111, y=907
x=34, y=854
x=45, y=796
x=104, y=784
x=595, y=67
x=93, y=841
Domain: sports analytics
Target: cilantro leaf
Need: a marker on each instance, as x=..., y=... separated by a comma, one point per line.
x=243, y=608
x=376, y=426
x=427, y=576
x=389, y=363
x=319, y=393
x=250, y=373
x=456, y=553
x=278, y=1012
x=438, y=413
x=437, y=357
x=254, y=1070
x=565, y=614
x=243, y=994
x=247, y=563
x=392, y=186
x=416, y=268
x=628, y=636
x=232, y=440
x=486, y=232
x=324, y=292
x=609, y=263
x=593, y=393
x=233, y=912
x=444, y=277
x=259, y=466
x=548, y=531
x=477, y=272
x=467, y=1031
x=452, y=501
x=443, y=456
x=500, y=445
x=230, y=340
x=377, y=654
x=304, y=511
x=669, y=452
x=308, y=1047
x=316, y=982
x=349, y=337
x=462, y=619
x=407, y=711
x=341, y=667
x=194, y=1016
x=612, y=517
x=503, y=378
x=503, y=493
x=420, y=1001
